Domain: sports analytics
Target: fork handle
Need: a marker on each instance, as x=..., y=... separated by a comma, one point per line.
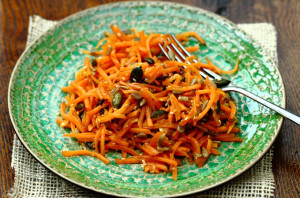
x=264, y=102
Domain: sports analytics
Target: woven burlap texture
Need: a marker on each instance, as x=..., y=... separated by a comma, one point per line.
x=34, y=180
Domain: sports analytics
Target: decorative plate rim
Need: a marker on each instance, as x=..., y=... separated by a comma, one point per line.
x=215, y=16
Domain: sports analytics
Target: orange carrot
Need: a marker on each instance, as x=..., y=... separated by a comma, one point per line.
x=149, y=150
x=156, y=167
x=118, y=140
x=208, y=106
x=155, y=138
x=85, y=152
x=102, y=141
x=123, y=148
x=148, y=116
x=215, y=151
x=131, y=160
x=232, y=71
x=130, y=99
x=161, y=159
x=192, y=48
x=187, y=88
x=96, y=140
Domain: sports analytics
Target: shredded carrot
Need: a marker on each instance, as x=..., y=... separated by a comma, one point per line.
x=96, y=140
x=155, y=138
x=85, y=152
x=102, y=141
x=194, y=34
x=130, y=160
x=215, y=151
x=149, y=150
x=151, y=110
x=192, y=48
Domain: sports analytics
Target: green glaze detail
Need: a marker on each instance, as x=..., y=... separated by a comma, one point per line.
x=52, y=61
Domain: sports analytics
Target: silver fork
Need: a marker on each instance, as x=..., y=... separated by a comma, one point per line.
x=224, y=84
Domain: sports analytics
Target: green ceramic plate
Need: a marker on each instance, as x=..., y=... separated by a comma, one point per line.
x=52, y=60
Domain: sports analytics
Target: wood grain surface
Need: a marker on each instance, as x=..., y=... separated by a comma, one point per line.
x=283, y=14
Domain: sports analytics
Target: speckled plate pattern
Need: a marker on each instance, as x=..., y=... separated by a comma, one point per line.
x=53, y=59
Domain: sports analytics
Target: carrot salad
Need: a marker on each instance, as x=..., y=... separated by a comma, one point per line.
x=129, y=98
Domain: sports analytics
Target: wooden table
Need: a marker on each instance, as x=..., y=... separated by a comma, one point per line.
x=284, y=15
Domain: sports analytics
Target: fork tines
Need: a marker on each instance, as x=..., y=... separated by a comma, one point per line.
x=181, y=54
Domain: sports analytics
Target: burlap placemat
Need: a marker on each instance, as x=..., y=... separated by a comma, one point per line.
x=34, y=180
